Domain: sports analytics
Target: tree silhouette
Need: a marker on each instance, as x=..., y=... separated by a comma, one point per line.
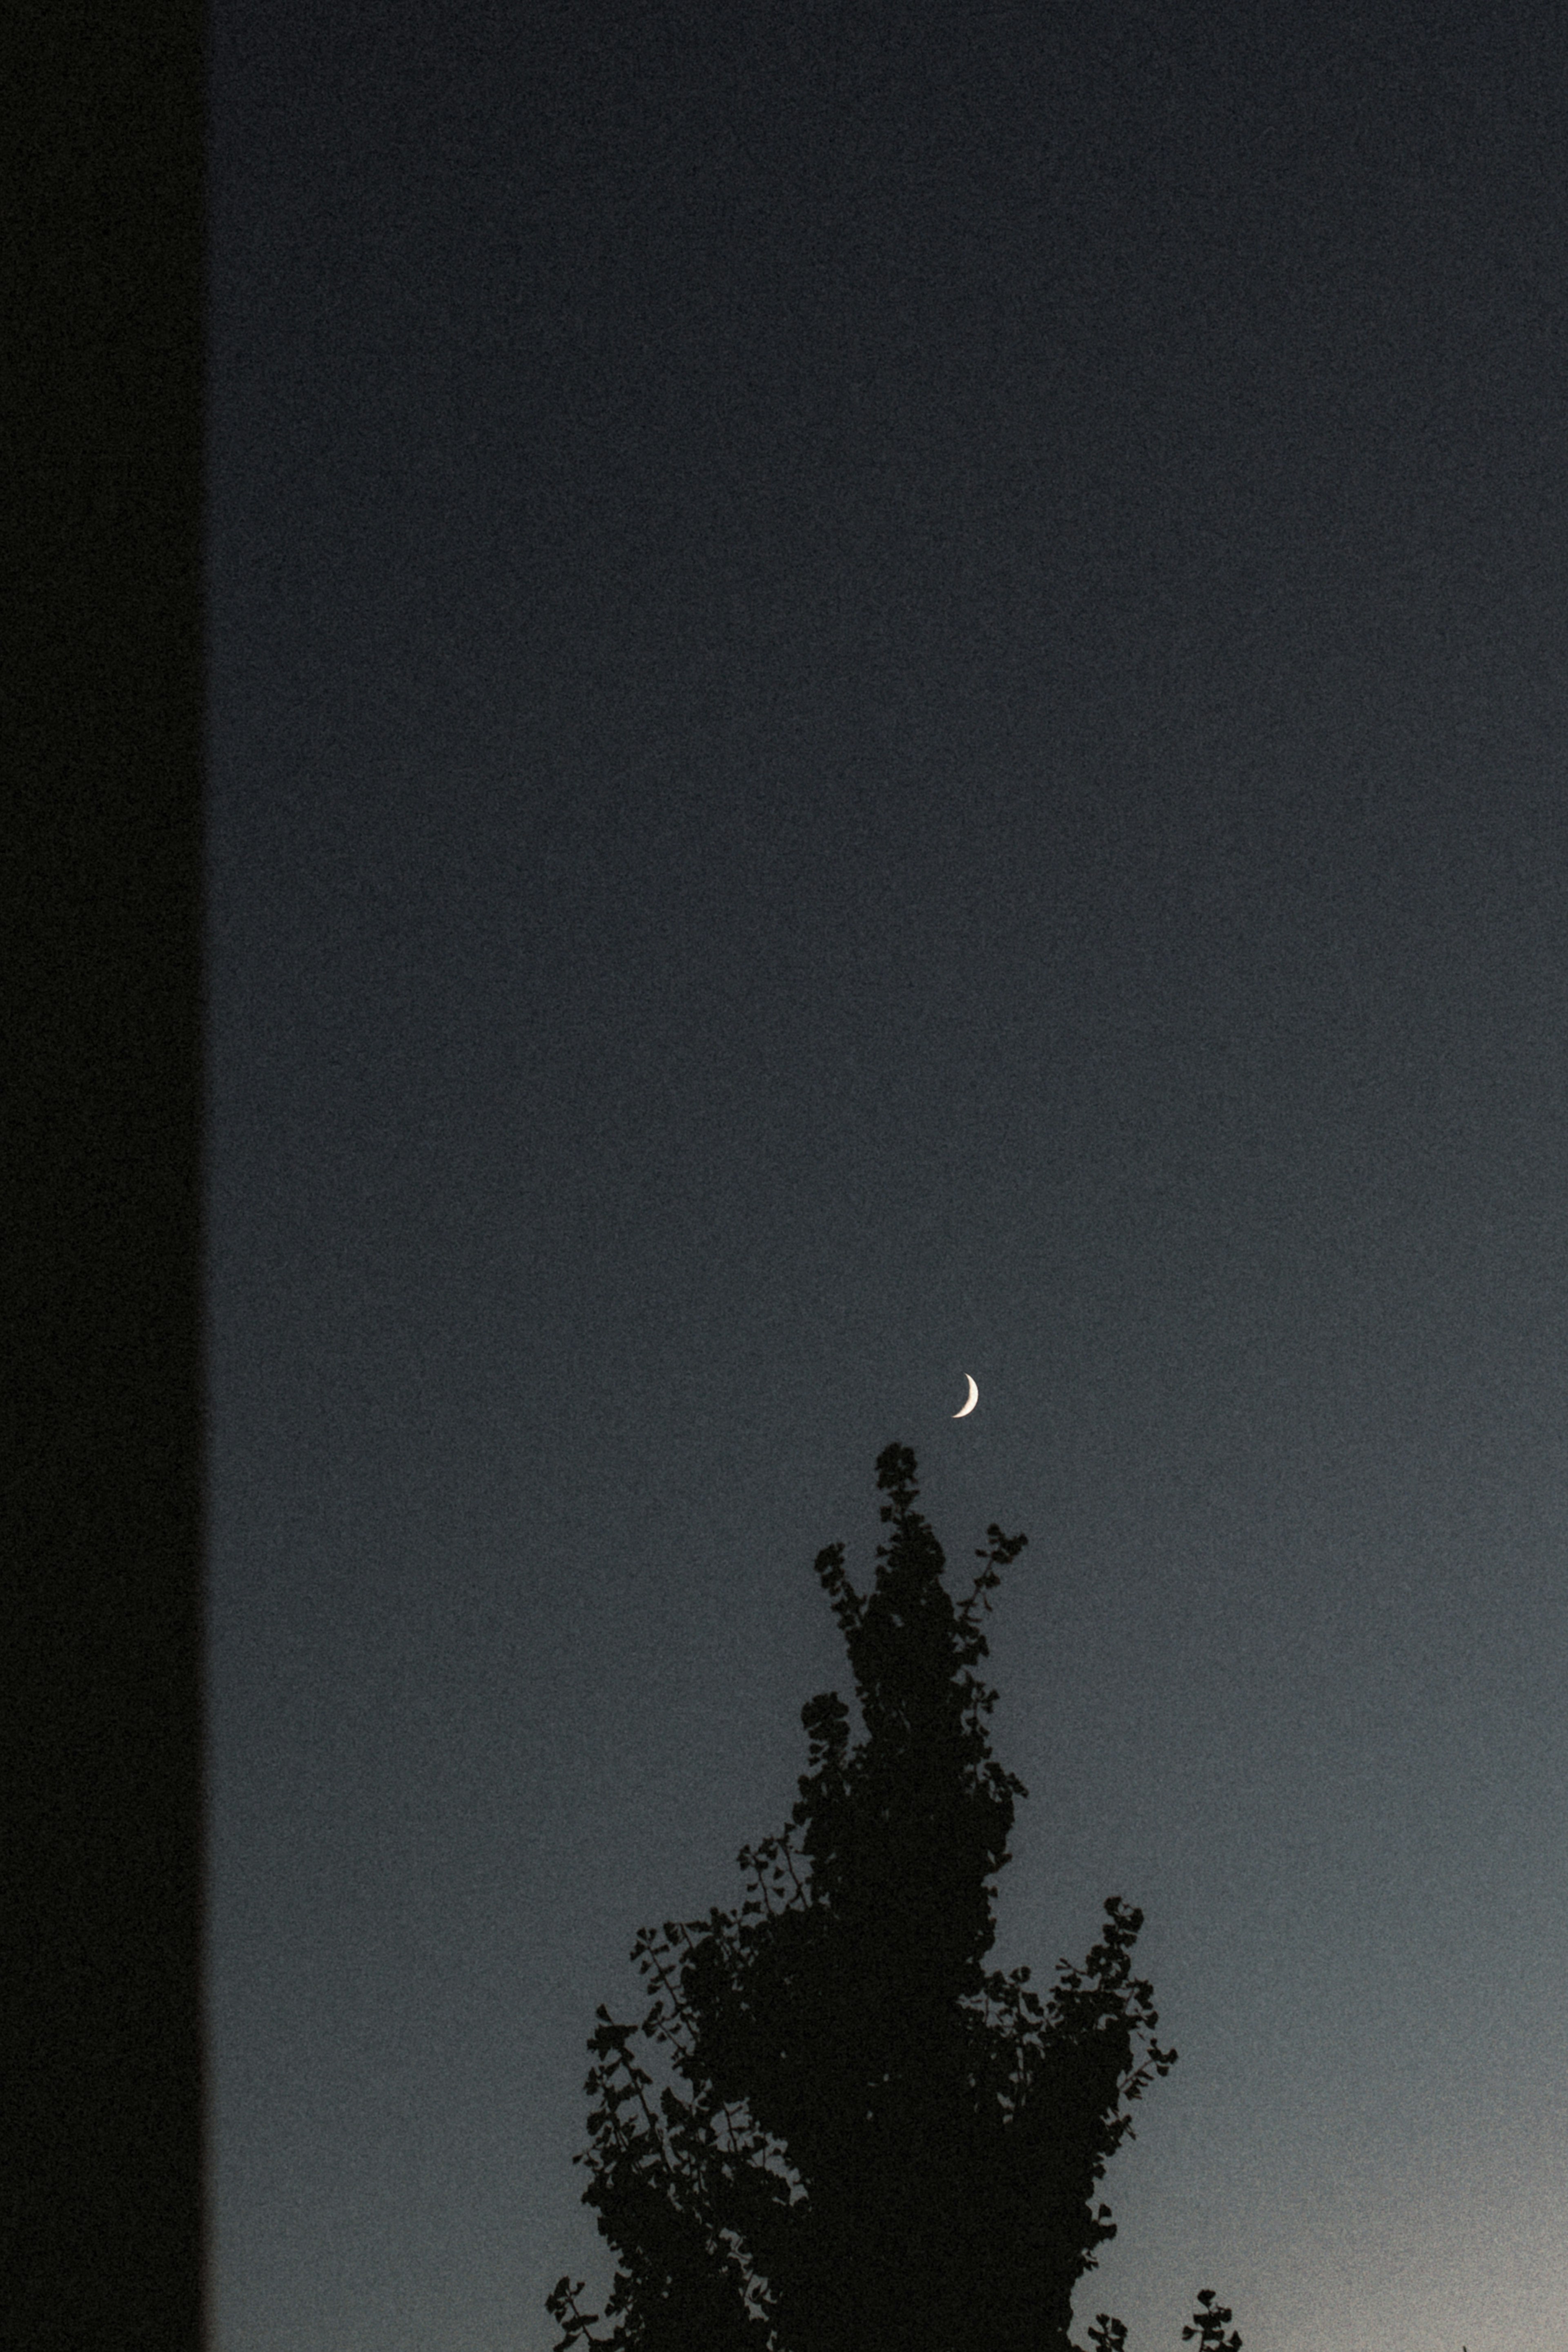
x=880, y=2141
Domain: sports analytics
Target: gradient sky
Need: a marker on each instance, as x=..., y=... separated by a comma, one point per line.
x=889, y=702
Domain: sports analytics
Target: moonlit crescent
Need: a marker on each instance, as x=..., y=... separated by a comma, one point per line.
x=974, y=1398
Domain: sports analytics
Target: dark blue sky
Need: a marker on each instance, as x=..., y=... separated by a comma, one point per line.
x=889, y=701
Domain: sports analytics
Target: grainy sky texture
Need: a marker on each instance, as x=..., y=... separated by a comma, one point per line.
x=889, y=701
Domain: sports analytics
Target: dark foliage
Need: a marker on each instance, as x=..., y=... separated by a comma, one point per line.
x=880, y=2142
x=1209, y=2322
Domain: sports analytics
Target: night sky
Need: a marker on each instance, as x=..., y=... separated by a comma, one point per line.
x=888, y=702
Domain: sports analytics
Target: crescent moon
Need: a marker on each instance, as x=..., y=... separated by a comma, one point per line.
x=974, y=1398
